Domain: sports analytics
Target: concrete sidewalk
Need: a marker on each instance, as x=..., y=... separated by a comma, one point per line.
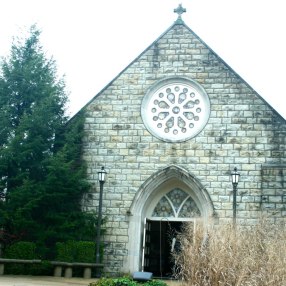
x=15, y=280
x=11, y=280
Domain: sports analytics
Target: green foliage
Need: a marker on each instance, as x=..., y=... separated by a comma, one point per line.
x=21, y=250
x=25, y=250
x=102, y=282
x=155, y=283
x=65, y=251
x=76, y=251
x=126, y=281
x=31, y=111
x=85, y=251
x=123, y=281
x=42, y=176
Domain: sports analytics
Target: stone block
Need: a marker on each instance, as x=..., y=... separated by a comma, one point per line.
x=68, y=272
x=87, y=273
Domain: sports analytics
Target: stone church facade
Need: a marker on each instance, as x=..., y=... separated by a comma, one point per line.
x=169, y=130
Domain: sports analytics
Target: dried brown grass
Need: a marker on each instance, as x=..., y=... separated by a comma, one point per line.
x=224, y=256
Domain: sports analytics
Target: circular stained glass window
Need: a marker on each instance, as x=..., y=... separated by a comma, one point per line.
x=175, y=109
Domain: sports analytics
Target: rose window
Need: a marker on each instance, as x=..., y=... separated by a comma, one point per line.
x=175, y=109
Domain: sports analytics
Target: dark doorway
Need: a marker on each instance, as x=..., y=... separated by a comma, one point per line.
x=159, y=243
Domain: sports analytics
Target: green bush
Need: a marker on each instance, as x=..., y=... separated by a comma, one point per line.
x=85, y=251
x=76, y=251
x=155, y=283
x=126, y=281
x=103, y=282
x=21, y=250
x=25, y=250
x=65, y=251
x=70, y=251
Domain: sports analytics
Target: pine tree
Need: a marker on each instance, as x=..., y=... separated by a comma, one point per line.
x=42, y=177
x=31, y=112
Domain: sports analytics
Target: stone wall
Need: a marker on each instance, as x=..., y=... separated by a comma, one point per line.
x=242, y=132
x=273, y=191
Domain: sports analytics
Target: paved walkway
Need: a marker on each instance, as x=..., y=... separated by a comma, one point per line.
x=11, y=280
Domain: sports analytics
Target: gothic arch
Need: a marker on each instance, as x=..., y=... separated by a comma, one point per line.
x=168, y=176
x=149, y=195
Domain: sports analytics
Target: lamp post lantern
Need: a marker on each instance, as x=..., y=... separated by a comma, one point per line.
x=235, y=178
x=101, y=178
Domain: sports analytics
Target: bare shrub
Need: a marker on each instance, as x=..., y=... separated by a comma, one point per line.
x=224, y=255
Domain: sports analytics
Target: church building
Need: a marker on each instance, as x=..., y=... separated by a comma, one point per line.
x=169, y=130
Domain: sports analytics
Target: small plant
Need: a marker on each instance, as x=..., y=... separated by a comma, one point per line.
x=155, y=283
x=102, y=282
x=126, y=281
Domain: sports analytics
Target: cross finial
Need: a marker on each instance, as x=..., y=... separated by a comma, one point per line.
x=180, y=10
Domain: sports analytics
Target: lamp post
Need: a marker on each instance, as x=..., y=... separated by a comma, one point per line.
x=235, y=177
x=101, y=178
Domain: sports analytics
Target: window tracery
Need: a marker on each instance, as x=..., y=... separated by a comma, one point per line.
x=175, y=109
x=177, y=204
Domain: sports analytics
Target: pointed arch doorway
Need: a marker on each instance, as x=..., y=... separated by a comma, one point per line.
x=161, y=229
x=164, y=202
x=158, y=246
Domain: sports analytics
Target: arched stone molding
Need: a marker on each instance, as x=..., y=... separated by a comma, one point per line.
x=171, y=176
x=148, y=196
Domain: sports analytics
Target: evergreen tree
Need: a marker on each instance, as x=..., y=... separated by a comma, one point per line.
x=42, y=178
x=31, y=111
x=60, y=212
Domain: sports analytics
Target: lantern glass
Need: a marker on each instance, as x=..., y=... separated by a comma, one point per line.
x=102, y=175
x=235, y=176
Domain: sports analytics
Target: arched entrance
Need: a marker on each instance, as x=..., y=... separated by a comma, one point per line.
x=166, y=200
x=161, y=226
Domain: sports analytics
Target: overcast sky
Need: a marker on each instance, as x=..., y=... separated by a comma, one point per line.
x=93, y=40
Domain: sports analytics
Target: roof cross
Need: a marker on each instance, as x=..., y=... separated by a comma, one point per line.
x=180, y=10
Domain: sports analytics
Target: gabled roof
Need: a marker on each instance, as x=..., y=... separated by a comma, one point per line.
x=179, y=21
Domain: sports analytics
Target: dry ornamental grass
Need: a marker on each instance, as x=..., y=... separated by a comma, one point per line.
x=228, y=256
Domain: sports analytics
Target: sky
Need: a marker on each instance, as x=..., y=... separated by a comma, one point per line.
x=92, y=41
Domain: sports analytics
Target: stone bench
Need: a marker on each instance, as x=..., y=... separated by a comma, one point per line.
x=4, y=261
x=68, y=268
x=58, y=266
